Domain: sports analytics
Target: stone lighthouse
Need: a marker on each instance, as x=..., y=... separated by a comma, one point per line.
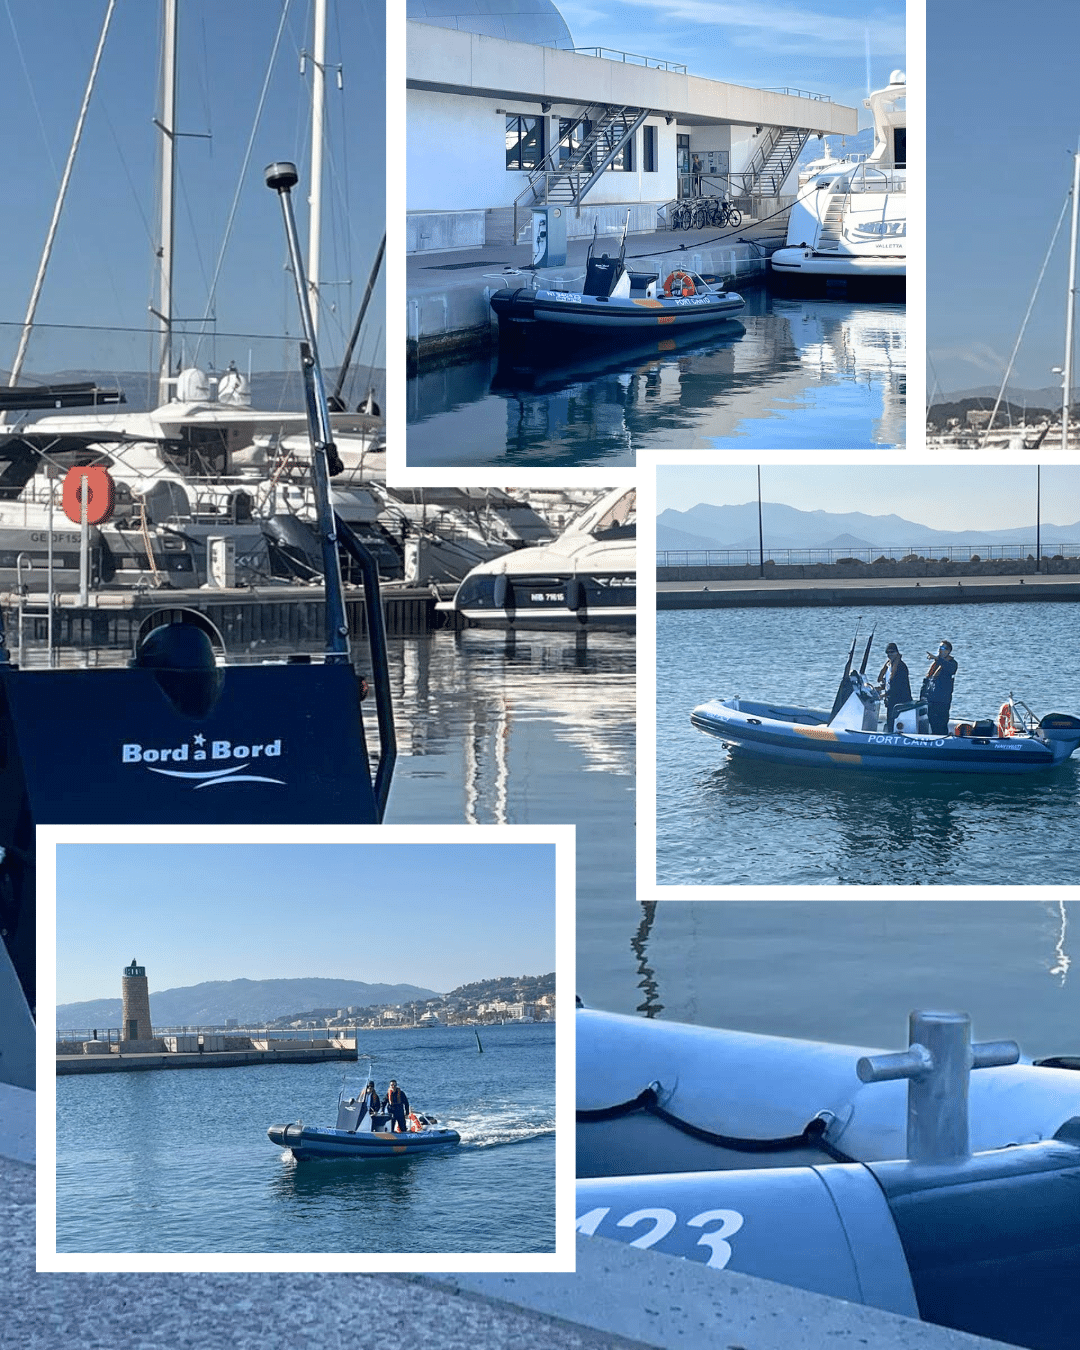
x=136, y=1024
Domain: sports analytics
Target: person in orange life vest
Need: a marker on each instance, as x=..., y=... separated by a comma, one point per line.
x=397, y=1104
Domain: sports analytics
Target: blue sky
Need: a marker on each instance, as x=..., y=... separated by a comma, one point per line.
x=102, y=265
x=943, y=497
x=820, y=46
x=1003, y=119
x=435, y=915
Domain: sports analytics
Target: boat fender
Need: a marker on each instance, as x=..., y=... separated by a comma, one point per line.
x=503, y=592
x=100, y=494
x=1006, y=722
x=686, y=286
x=575, y=593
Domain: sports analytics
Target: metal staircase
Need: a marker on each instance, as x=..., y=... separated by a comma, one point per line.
x=568, y=181
x=772, y=161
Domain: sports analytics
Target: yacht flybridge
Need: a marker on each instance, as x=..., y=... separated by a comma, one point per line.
x=849, y=223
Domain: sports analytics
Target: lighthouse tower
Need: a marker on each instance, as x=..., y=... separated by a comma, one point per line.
x=136, y=1024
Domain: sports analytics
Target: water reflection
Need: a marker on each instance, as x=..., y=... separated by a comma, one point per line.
x=1062, y=960
x=803, y=373
x=846, y=972
x=639, y=943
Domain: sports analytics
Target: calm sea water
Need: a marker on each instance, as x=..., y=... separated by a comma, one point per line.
x=844, y=971
x=726, y=822
x=179, y=1161
x=793, y=374
x=537, y=729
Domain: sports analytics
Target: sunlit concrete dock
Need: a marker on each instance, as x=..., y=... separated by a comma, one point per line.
x=728, y=594
x=261, y=1052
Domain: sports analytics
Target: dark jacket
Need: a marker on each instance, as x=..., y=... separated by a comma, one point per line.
x=899, y=690
x=939, y=682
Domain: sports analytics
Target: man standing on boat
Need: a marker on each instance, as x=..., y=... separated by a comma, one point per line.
x=893, y=677
x=398, y=1106
x=938, y=688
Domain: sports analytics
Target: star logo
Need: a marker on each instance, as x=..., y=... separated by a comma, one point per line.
x=200, y=739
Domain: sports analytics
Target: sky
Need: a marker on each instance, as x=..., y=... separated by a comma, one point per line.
x=947, y=497
x=434, y=915
x=102, y=271
x=1003, y=120
x=820, y=47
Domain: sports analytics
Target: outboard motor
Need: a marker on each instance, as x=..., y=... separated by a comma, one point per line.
x=1061, y=731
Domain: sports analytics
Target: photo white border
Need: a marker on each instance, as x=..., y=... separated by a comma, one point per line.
x=561, y=1260
x=651, y=462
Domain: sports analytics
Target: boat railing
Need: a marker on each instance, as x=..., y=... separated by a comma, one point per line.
x=789, y=557
x=868, y=177
x=113, y=1035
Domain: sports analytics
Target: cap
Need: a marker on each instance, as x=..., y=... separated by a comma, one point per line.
x=945, y=644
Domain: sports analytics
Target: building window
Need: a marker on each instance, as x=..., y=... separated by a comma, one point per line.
x=524, y=142
x=648, y=150
x=624, y=160
x=572, y=136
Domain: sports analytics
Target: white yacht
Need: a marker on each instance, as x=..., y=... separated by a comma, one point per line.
x=588, y=575
x=849, y=222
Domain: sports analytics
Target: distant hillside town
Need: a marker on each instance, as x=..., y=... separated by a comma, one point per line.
x=523, y=998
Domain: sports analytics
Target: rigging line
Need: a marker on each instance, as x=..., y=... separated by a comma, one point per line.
x=61, y=195
x=212, y=295
x=1027, y=316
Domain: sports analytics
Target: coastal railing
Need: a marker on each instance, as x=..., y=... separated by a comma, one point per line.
x=789, y=557
x=631, y=58
x=798, y=93
x=112, y=1035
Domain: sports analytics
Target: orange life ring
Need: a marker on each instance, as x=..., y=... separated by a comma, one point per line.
x=686, y=285
x=414, y=1125
x=1006, y=723
x=100, y=494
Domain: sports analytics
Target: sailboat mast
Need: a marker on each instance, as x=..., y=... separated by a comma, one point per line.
x=166, y=124
x=1070, y=310
x=318, y=111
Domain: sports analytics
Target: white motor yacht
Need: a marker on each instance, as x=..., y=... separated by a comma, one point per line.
x=849, y=222
x=588, y=575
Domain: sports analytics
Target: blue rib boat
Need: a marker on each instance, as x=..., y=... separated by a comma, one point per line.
x=614, y=302
x=851, y=736
x=362, y=1135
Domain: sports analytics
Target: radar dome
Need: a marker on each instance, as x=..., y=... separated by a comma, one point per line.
x=536, y=21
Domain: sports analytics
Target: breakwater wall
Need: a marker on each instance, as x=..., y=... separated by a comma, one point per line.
x=932, y=591
x=885, y=568
x=304, y=1053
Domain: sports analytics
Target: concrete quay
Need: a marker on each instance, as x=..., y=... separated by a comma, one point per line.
x=728, y=594
x=447, y=293
x=305, y=1053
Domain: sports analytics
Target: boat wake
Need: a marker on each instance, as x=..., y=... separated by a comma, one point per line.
x=499, y=1128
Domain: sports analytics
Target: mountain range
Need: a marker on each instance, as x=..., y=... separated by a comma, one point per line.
x=251, y=1002
x=736, y=527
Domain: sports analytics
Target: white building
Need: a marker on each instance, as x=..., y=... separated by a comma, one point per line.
x=503, y=114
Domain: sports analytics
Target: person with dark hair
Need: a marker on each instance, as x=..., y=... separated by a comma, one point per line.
x=397, y=1104
x=370, y=1103
x=894, y=679
x=937, y=688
